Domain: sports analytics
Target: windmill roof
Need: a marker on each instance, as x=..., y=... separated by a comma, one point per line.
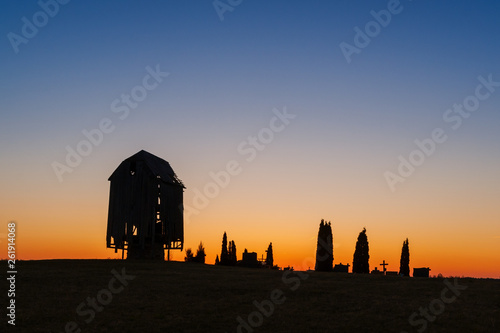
x=158, y=167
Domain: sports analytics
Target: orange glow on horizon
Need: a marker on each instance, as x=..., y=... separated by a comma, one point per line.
x=64, y=223
x=300, y=257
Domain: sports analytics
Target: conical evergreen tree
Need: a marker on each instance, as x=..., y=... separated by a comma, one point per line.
x=200, y=254
x=232, y=253
x=361, y=256
x=217, y=260
x=224, y=255
x=319, y=257
x=404, y=263
x=269, y=255
x=324, y=249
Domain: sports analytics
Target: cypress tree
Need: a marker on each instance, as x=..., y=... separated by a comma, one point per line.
x=404, y=263
x=269, y=255
x=329, y=244
x=224, y=255
x=324, y=248
x=361, y=256
x=217, y=260
x=232, y=253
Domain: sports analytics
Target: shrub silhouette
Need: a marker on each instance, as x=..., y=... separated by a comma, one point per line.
x=361, y=256
x=189, y=256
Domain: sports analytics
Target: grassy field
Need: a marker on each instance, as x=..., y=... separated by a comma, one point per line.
x=58, y=296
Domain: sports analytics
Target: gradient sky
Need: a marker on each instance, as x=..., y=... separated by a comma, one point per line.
x=353, y=120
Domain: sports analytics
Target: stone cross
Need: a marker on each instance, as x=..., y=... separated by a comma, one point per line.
x=383, y=264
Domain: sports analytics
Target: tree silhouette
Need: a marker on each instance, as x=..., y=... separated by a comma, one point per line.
x=232, y=254
x=324, y=249
x=189, y=255
x=217, y=260
x=361, y=257
x=234, y=257
x=404, y=263
x=269, y=255
x=224, y=255
x=200, y=254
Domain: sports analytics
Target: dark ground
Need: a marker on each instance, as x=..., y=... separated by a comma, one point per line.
x=180, y=297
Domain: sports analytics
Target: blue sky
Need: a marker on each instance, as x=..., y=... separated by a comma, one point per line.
x=225, y=77
x=263, y=54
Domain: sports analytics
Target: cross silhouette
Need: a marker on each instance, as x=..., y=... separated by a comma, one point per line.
x=384, y=264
